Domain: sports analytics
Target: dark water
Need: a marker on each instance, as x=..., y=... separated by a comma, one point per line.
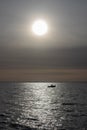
x=29, y=106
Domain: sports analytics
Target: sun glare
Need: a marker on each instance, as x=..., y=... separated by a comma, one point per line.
x=40, y=27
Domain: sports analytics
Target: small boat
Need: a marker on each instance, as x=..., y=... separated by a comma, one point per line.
x=51, y=86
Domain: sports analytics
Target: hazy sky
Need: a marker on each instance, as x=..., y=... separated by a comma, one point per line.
x=65, y=44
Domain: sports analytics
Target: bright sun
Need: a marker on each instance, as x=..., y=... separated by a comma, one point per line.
x=40, y=27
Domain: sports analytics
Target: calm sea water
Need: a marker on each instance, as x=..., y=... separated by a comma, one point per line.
x=34, y=106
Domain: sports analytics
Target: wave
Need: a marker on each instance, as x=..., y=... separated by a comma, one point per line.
x=21, y=127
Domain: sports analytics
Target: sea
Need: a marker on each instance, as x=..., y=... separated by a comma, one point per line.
x=35, y=106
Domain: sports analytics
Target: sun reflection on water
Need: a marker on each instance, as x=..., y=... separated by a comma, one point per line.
x=39, y=105
x=34, y=105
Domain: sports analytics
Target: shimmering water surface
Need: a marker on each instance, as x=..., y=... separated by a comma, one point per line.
x=34, y=106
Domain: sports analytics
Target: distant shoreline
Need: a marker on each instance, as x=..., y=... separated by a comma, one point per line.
x=44, y=82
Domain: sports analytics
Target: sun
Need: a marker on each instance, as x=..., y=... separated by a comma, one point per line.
x=40, y=27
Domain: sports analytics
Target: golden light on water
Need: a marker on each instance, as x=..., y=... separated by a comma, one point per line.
x=40, y=27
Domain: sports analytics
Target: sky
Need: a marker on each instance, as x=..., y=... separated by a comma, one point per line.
x=65, y=44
